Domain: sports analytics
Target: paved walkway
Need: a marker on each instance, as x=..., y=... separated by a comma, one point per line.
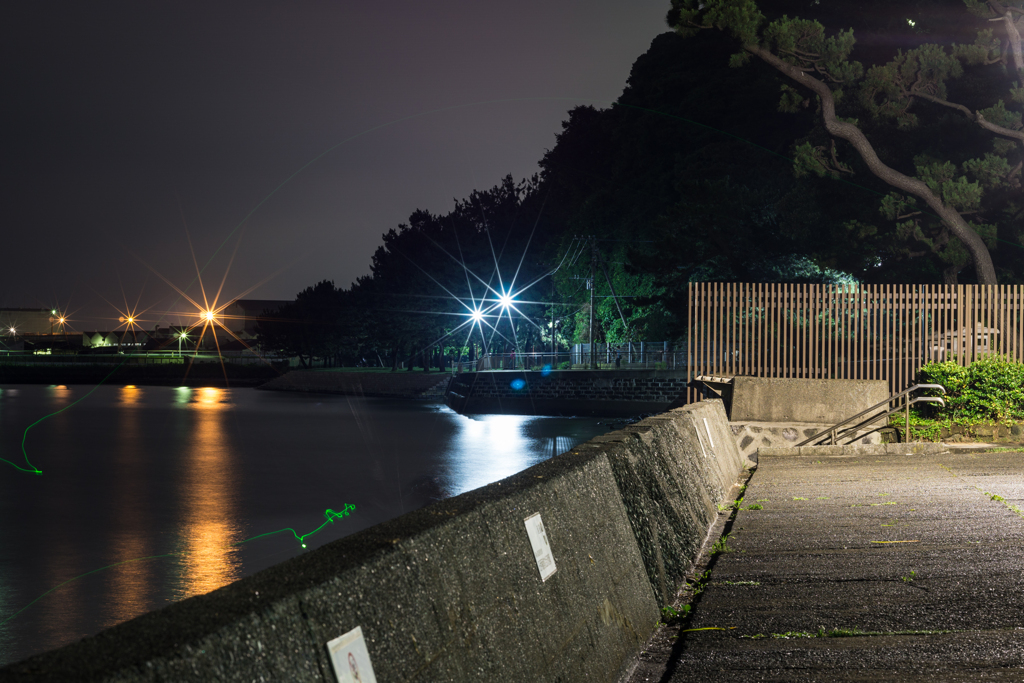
x=865, y=568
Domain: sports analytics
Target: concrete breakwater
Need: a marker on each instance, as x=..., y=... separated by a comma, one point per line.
x=612, y=393
x=401, y=384
x=458, y=591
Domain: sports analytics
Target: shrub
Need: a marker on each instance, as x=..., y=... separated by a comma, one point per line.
x=991, y=388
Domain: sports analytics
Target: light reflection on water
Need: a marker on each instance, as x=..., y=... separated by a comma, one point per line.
x=135, y=472
x=492, y=447
x=209, y=528
x=126, y=593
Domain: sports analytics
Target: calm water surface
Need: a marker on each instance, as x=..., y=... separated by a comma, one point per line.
x=132, y=473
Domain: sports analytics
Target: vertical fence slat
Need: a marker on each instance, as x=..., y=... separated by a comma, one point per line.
x=847, y=331
x=692, y=336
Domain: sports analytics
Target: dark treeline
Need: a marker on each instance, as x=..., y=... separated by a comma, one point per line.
x=689, y=176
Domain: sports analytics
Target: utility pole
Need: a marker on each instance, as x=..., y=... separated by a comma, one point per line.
x=554, y=363
x=593, y=282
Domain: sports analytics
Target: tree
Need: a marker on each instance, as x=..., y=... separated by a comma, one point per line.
x=677, y=182
x=429, y=273
x=978, y=176
x=318, y=324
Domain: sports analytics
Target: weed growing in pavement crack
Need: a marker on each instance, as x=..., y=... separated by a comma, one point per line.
x=700, y=584
x=755, y=506
x=670, y=614
x=721, y=546
x=910, y=577
x=999, y=499
x=842, y=633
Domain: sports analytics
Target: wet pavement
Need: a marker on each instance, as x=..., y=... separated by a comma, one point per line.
x=860, y=568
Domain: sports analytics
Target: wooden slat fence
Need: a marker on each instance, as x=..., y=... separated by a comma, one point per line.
x=848, y=331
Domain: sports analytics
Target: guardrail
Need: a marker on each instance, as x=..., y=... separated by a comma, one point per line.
x=833, y=431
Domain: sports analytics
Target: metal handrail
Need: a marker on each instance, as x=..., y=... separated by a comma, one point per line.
x=893, y=411
x=834, y=428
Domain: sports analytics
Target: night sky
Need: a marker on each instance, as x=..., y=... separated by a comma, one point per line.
x=287, y=135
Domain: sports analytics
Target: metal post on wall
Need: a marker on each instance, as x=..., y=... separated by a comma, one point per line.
x=593, y=283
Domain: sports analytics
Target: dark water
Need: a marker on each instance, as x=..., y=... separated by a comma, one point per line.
x=133, y=473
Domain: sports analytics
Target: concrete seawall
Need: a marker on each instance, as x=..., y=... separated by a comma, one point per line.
x=569, y=392
x=401, y=384
x=452, y=592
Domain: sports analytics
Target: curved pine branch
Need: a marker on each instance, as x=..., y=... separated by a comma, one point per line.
x=847, y=131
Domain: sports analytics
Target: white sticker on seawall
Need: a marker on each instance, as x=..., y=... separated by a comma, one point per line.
x=541, y=547
x=708, y=430
x=350, y=658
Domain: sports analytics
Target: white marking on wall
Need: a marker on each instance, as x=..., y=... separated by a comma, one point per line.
x=541, y=547
x=350, y=658
x=708, y=430
x=700, y=440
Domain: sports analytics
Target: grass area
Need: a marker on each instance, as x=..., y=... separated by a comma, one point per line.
x=939, y=428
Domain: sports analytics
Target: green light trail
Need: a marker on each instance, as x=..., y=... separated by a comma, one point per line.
x=329, y=514
x=24, y=436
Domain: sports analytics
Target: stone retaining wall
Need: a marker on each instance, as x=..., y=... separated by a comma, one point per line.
x=401, y=384
x=964, y=433
x=754, y=436
x=452, y=592
x=568, y=392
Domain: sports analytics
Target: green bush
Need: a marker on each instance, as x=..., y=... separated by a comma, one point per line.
x=991, y=388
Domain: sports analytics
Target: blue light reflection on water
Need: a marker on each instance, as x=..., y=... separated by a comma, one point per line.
x=139, y=471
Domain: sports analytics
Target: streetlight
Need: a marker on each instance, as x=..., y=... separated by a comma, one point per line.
x=129, y=323
x=181, y=335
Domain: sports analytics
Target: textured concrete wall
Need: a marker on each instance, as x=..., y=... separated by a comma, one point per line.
x=452, y=592
x=673, y=470
x=764, y=399
x=569, y=392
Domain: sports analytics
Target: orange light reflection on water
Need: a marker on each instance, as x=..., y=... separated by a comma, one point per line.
x=128, y=585
x=208, y=559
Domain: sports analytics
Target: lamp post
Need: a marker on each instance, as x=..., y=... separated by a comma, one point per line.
x=181, y=335
x=130, y=320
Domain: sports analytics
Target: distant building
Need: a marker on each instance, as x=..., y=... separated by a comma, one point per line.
x=127, y=340
x=20, y=321
x=42, y=327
